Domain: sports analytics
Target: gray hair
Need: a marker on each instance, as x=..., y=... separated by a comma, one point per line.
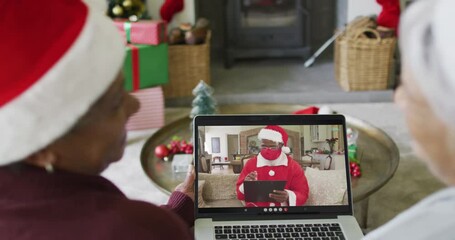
x=427, y=43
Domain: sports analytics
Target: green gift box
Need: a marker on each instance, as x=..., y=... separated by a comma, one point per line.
x=352, y=151
x=145, y=66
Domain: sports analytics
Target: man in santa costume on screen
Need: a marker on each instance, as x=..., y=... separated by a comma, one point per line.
x=273, y=163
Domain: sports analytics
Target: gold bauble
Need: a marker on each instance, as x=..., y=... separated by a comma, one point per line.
x=127, y=4
x=117, y=10
x=139, y=5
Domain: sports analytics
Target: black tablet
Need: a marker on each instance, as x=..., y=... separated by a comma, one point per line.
x=258, y=191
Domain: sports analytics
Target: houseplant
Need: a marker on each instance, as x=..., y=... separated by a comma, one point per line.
x=331, y=142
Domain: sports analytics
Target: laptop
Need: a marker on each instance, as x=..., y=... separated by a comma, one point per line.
x=304, y=214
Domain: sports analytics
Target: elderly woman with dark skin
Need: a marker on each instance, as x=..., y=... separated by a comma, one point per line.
x=425, y=96
x=63, y=111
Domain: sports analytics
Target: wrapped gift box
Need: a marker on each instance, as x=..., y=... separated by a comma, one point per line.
x=152, y=32
x=145, y=66
x=151, y=111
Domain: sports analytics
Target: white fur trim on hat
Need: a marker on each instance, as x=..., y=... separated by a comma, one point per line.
x=52, y=106
x=427, y=46
x=270, y=135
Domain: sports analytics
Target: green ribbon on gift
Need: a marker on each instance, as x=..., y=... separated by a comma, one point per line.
x=352, y=153
x=127, y=27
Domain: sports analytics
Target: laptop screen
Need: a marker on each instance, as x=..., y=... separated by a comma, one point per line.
x=271, y=164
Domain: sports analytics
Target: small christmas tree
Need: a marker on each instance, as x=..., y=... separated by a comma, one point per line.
x=130, y=9
x=203, y=103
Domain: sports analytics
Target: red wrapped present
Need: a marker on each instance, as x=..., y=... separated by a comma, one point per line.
x=151, y=32
x=151, y=111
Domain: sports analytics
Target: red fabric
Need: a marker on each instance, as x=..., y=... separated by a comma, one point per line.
x=62, y=205
x=308, y=110
x=33, y=38
x=390, y=14
x=183, y=206
x=293, y=174
x=135, y=67
x=169, y=8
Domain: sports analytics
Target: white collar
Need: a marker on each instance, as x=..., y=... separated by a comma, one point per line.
x=282, y=160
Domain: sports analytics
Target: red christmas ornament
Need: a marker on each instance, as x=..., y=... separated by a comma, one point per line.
x=177, y=146
x=183, y=145
x=354, y=169
x=161, y=151
x=174, y=147
x=189, y=149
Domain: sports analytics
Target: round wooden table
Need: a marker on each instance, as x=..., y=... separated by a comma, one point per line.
x=379, y=154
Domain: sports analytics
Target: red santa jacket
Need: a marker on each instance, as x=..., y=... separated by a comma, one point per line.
x=284, y=168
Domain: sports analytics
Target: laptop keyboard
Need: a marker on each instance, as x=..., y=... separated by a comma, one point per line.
x=323, y=231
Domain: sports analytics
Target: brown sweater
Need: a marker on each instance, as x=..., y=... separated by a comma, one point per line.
x=37, y=205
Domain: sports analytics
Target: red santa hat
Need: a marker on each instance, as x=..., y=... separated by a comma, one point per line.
x=277, y=134
x=58, y=58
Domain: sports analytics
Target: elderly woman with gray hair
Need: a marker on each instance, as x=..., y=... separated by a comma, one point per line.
x=425, y=96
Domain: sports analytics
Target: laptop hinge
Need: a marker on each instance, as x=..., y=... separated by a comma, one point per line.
x=274, y=217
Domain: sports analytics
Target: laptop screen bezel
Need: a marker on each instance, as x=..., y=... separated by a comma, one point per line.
x=270, y=119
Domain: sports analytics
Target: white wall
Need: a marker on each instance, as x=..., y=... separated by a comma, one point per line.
x=186, y=15
x=362, y=8
x=222, y=133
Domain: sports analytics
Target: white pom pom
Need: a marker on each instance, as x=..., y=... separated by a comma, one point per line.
x=325, y=110
x=286, y=150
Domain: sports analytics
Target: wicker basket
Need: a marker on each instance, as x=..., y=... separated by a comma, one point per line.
x=363, y=63
x=188, y=64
